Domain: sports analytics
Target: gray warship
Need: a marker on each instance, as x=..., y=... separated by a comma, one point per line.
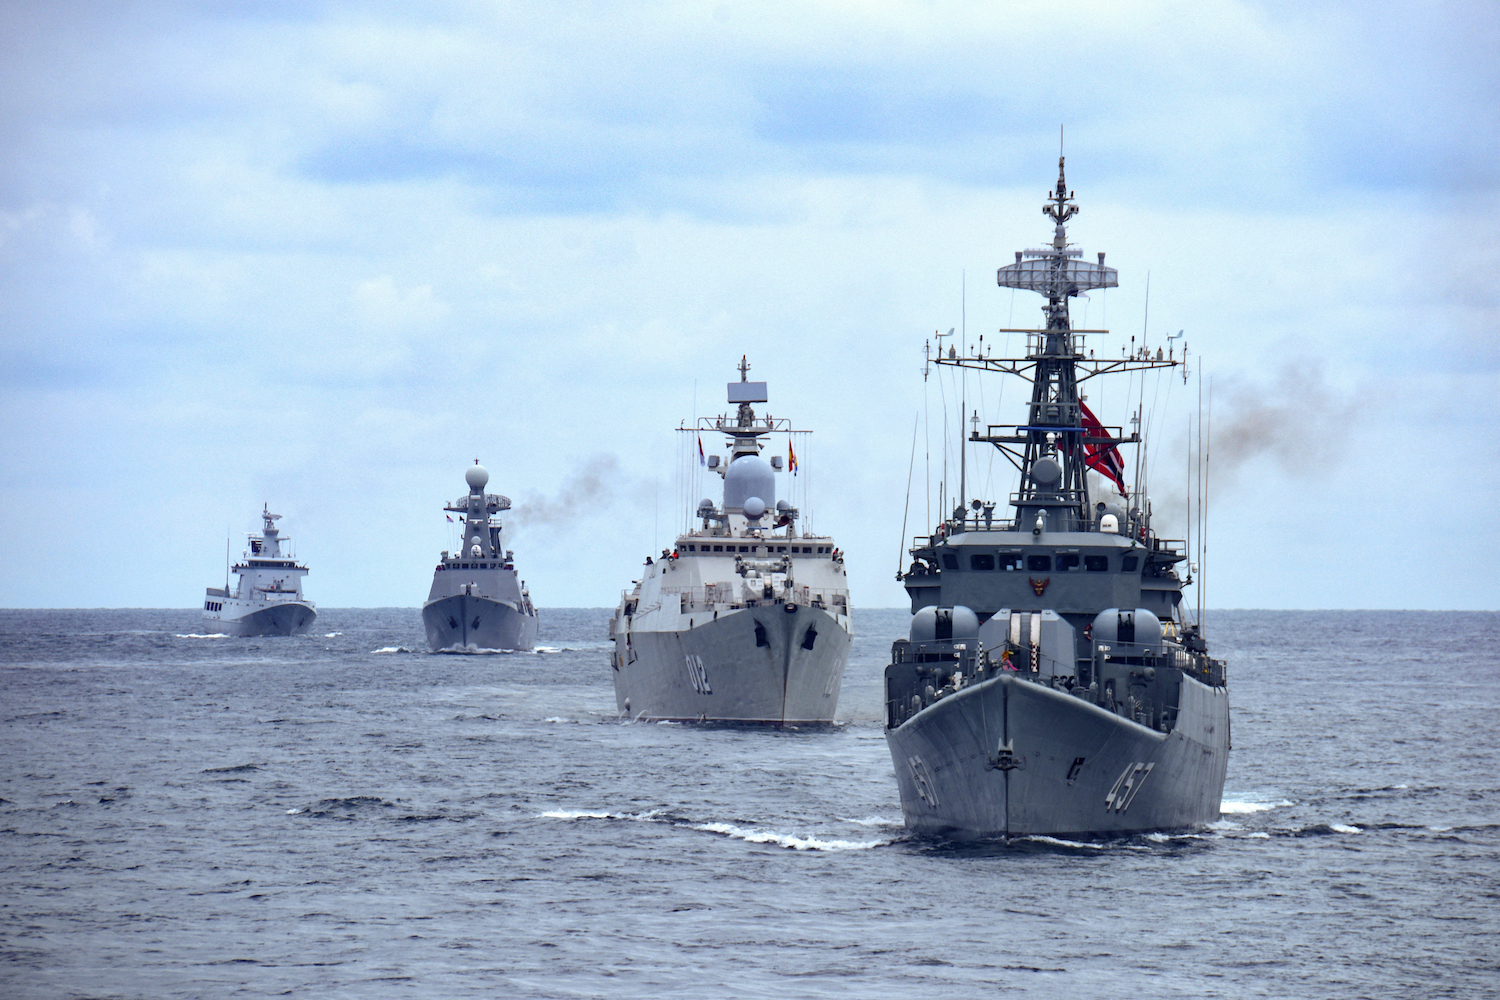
x=745, y=619
x=1053, y=682
x=267, y=599
x=477, y=601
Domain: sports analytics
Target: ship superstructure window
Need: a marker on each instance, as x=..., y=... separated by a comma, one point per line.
x=718, y=548
x=1010, y=563
x=1067, y=563
x=950, y=561
x=982, y=562
x=1129, y=563
x=1096, y=564
x=781, y=548
x=744, y=548
x=1038, y=564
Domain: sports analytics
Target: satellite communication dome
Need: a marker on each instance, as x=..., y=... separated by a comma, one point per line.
x=476, y=476
x=754, y=507
x=749, y=476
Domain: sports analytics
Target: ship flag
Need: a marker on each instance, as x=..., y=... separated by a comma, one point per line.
x=791, y=457
x=1103, y=458
x=701, y=459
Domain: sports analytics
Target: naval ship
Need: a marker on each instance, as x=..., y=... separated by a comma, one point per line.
x=744, y=618
x=477, y=601
x=1052, y=681
x=267, y=599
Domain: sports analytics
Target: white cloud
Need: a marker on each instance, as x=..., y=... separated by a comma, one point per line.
x=325, y=258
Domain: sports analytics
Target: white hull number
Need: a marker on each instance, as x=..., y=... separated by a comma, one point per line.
x=1127, y=787
x=697, y=676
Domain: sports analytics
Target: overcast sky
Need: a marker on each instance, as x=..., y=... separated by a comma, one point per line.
x=324, y=255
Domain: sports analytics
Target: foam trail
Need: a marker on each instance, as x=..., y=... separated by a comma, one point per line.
x=195, y=635
x=786, y=840
x=1058, y=842
x=1244, y=808
x=650, y=816
x=394, y=649
x=1342, y=828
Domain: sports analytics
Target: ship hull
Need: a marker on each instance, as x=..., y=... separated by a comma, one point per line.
x=283, y=618
x=1072, y=768
x=717, y=671
x=469, y=622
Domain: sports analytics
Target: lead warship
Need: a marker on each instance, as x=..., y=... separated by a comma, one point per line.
x=477, y=601
x=267, y=599
x=1053, y=682
x=744, y=619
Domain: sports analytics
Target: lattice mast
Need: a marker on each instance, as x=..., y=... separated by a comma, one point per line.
x=1054, y=422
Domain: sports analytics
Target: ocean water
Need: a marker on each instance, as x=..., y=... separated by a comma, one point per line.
x=346, y=815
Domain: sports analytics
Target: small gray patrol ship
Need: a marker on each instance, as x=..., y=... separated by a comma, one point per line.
x=477, y=601
x=267, y=598
x=1053, y=682
x=744, y=619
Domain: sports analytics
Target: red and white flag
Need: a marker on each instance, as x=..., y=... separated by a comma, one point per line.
x=1099, y=456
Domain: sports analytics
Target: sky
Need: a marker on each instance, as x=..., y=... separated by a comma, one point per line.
x=323, y=256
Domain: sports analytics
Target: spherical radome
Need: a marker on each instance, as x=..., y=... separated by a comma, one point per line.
x=476, y=476
x=749, y=476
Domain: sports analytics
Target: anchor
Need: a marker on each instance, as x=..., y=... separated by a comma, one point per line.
x=1006, y=758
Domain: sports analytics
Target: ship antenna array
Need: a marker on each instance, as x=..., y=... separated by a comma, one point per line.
x=910, y=466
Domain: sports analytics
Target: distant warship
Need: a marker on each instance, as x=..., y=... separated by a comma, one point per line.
x=1052, y=682
x=267, y=599
x=477, y=601
x=744, y=619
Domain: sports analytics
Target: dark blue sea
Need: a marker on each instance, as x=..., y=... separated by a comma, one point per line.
x=346, y=815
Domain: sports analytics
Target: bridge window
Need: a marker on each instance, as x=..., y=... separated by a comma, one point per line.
x=1129, y=563
x=718, y=548
x=1067, y=563
x=950, y=561
x=781, y=548
x=1038, y=564
x=1010, y=563
x=1096, y=564
x=982, y=562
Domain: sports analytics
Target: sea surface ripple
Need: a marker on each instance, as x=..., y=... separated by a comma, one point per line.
x=346, y=815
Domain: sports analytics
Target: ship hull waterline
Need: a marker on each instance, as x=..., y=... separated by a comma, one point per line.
x=284, y=618
x=716, y=671
x=1008, y=757
x=464, y=622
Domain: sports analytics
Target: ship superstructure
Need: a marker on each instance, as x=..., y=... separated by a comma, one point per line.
x=745, y=618
x=1053, y=682
x=267, y=596
x=478, y=601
